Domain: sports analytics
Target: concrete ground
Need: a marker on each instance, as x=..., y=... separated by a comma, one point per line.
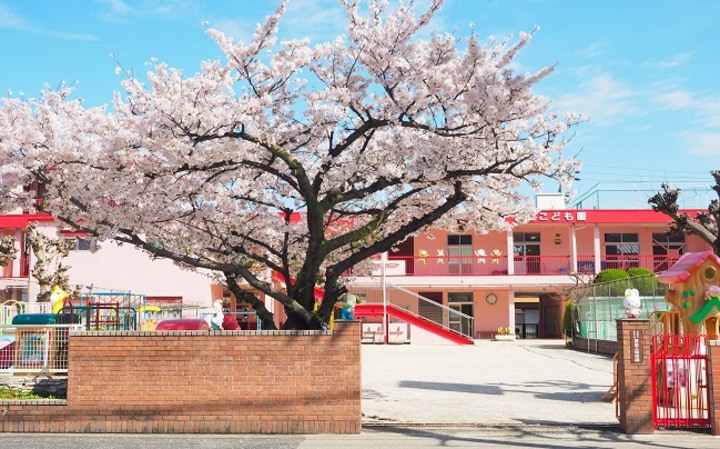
x=490, y=383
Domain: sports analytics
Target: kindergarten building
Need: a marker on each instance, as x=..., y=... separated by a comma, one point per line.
x=470, y=284
x=519, y=278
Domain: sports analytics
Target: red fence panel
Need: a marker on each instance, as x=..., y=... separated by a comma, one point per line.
x=681, y=397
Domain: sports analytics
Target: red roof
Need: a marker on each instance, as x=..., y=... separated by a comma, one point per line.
x=21, y=221
x=686, y=266
x=606, y=216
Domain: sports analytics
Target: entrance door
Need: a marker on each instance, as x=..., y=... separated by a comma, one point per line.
x=526, y=247
x=532, y=251
x=463, y=303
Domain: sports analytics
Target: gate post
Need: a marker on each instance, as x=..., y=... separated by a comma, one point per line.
x=634, y=382
x=714, y=381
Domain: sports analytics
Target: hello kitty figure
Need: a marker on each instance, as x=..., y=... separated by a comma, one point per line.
x=632, y=303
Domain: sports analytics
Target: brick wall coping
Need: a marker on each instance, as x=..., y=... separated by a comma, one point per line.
x=9, y=402
x=273, y=333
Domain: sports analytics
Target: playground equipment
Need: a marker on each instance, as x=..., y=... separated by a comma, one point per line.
x=678, y=358
x=37, y=342
x=107, y=310
x=183, y=324
x=693, y=290
x=9, y=309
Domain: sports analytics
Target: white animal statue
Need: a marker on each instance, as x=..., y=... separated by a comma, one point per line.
x=216, y=319
x=632, y=303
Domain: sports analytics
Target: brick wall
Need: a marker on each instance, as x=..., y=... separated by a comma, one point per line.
x=634, y=383
x=714, y=381
x=607, y=347
x=204, y=382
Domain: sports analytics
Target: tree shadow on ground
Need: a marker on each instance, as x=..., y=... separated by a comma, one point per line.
x=560, y=390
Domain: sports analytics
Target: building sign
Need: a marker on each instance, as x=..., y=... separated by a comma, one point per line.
x=636, y=346
x=567, y=216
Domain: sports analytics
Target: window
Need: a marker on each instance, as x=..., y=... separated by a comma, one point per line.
x=460, y=254
x=460, y=297
x=622, y=250
x=459, y=240
x=526, y=237
x=82, y=244
x=667, y=249
x=526, y=249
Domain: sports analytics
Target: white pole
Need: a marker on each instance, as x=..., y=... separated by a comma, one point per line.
x=383, y=261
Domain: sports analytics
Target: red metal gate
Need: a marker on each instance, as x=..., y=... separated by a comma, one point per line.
x=678, y=370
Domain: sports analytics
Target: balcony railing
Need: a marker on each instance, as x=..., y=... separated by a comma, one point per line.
x=491, y=265
x=9, y=270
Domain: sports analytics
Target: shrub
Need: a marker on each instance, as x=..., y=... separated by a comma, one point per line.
x=611, y=282
x=638, y=272
x=10, y=393
x=567, y=321
x=610, y=274
x=644, y=280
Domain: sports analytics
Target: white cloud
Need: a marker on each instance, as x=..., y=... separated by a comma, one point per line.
x=670, y=62
x=239, y=29
x=318, y=20
x=605, y=100
x=594, y=51
x=710, y=113
x=702, y=143
x=115, y=8
x=121, y=10
x=702, y=108
x=9, y=19
x=675, y=100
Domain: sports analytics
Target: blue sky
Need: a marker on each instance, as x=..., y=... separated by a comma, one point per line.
x=644, y=71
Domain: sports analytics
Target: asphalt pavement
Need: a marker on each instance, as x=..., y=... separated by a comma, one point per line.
x=518, y=394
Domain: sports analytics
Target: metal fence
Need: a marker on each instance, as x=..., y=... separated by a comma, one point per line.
x=28, y=349
x=600, y=305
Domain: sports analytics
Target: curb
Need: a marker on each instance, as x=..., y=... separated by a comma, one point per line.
x=540, y=427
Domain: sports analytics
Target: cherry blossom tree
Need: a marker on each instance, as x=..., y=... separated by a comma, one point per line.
x=304, y=160
x=704, y=224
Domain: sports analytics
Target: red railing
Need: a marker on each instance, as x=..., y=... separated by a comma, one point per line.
x=497, y=265
x=8, y=270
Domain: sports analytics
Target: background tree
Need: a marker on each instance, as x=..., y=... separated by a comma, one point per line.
x=7, y=250
x=48, y=268
x=297, y=159
x=704, y=224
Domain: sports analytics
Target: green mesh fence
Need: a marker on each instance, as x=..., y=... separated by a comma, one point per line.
x=600, y=305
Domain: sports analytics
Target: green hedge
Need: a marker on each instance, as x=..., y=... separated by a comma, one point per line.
x=611, y=282
x=614, y=282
